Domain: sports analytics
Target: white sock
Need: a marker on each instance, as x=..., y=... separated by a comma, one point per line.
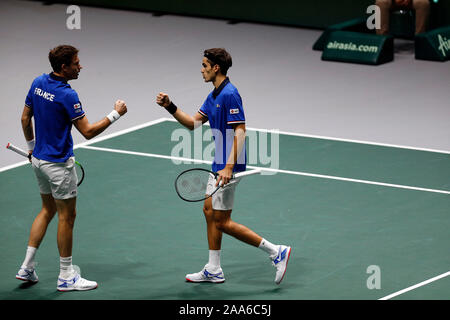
x=214, y=259
x=65, y=266
x=28, y=263
x=268, y=247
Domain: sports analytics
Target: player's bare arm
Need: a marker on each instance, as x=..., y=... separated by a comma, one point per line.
x=90, y=131
x=27, y=126
x=226, y=173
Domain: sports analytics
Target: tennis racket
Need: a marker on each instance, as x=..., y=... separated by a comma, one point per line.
x=190, y=185
x=79, y=168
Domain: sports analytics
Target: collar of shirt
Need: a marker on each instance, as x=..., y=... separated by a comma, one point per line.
x=217, y=91
x=55, y=77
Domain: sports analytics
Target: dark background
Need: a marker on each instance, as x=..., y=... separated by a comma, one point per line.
x=312, y=14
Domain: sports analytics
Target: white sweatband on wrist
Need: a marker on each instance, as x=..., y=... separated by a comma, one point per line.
x=31, y=144
x=113, y=116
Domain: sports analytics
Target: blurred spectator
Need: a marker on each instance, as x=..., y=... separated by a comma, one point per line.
x=421, y=7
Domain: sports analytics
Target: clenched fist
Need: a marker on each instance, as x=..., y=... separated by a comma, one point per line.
x=120, y=107
x=163, y=100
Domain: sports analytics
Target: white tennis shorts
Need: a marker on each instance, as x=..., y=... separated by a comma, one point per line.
x=56, y=178
x=223, y=199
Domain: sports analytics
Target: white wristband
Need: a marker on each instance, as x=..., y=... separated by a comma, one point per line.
x=113, y=116
x=31, y=144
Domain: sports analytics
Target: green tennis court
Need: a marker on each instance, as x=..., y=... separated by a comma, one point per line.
x=342, y=206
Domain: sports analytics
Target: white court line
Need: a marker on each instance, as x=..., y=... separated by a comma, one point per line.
x=15, y=165
x=95, y=140
x=142, y=154
x=446, y=274
x=147, y=124
x=121, y=132
x=350, y=140
x=270, y=170
x=295, y=134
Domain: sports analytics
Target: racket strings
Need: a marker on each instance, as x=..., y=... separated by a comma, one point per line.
x=192, y=185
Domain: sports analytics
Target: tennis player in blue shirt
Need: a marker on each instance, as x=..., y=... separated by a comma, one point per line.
x=55, y=107
x=225, y=113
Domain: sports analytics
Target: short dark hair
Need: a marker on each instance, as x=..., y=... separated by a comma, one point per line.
x=219, y=56
x=60, y=55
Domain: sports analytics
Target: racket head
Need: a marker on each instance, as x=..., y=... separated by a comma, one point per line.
x=80, y=173
x=191, y=184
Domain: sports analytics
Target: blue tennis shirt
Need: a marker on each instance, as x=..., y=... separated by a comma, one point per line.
x=55, y=105
x=223, y=108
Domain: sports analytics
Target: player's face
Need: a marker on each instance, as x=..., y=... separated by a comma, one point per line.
x=208, y=72
x=72, y=71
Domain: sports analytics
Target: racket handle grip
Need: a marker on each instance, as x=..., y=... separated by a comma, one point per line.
x=247, y=173
x=17, y=150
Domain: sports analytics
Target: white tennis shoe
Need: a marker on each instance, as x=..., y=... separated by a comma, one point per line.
x=75, y=283
x=280, y=261
x=212, y=275
x=29, y=275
